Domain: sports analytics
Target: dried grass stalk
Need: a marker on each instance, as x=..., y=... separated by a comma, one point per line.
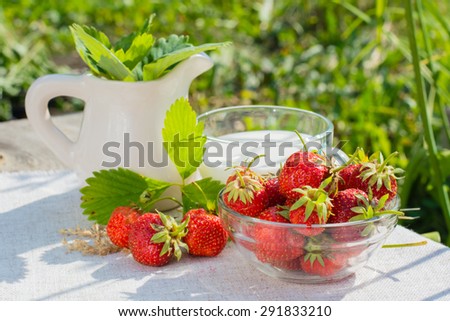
x=89, y=241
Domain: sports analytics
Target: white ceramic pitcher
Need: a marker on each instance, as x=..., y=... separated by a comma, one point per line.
x=118, y=117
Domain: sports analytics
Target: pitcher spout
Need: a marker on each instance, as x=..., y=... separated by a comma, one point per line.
x=191, y=68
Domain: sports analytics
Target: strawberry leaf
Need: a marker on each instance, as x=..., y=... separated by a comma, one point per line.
x=108, y=189
x=183, y=137
x=152, y=193
x=201, y=194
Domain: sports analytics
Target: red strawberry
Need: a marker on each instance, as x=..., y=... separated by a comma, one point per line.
x=119, y=225
x=374, y=176
x=277, y=244
x=292, y=265
x=247, y=231
x=245, y=193
x=206, y=235
x=302, y=169
x=312, y=207
x=323, y=256
x=155, y=238
x=321, y=265
x=274, y=214
x=274, y=195
x=344, y=203
x=379, y=191
x=244, y=171
x=248, y=207
x=365, y=209
x=346, y=176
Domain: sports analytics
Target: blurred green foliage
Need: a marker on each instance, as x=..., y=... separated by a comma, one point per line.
x=348, y=60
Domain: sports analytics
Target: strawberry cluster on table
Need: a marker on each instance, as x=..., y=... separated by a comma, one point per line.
x=155, y=238
x=312, y=189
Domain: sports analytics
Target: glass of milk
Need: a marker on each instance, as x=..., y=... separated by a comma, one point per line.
x=238, y=134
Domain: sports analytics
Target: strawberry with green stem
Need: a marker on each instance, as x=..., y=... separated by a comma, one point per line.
x=341, y=173
x=275, y=213
x=155, y=238
x=321, y=259
x=344, y=202
x=323, y=265
x=367, y=209
x=374, y=208
x=370, y=174
x=313, y=206
x=379, y=177
x=245, y=192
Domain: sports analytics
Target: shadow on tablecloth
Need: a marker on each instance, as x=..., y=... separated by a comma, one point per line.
x=33, y=226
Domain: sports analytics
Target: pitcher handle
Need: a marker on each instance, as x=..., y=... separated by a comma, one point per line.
x=36, y=106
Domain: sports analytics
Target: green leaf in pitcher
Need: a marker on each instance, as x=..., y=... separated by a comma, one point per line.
x=139, y=48
x=97, y=55
x=135, y=57
x=165, y=46
x=159, y=67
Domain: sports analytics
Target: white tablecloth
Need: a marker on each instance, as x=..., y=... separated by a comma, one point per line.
x=34, y=265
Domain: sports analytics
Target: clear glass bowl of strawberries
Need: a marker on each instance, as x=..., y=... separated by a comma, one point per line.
x=316, y=220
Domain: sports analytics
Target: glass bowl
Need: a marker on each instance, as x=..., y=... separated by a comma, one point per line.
x=307, y=254
x=238, y=134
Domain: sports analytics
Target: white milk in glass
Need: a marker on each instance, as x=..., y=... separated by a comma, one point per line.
x=233, y=149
